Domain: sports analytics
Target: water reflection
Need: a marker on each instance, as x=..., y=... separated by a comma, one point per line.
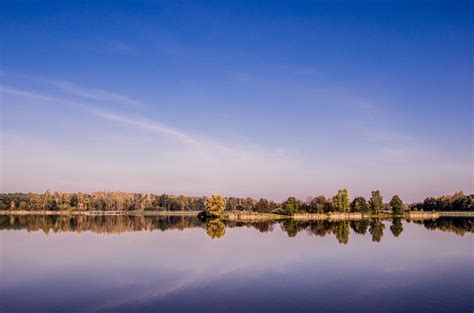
x=396, y=227
x=170, y=264
x=216, y=228
x=376, y=228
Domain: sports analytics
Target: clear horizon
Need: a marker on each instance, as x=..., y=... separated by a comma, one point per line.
x=239, y=99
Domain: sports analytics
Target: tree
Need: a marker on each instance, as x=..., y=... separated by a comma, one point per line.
x=359, y=204
x=264, y=206
x=123, y=201
x=430, y=204
x=341, y=201
x=376, y=202
x=320, y=204
x=465, y=203
x=214, y=205
x=246, y=204
x=396, y=204
x=231, y=204
x=46, y=197
x=457, y=202
x=291, y=206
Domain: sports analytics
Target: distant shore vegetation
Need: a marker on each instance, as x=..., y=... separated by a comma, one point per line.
x=216, y=205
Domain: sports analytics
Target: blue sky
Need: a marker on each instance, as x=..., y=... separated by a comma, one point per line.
x=261, y=99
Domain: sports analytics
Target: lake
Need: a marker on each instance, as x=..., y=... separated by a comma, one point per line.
x=180, y=264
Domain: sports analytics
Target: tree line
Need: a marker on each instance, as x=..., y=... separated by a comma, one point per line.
x=123, y=201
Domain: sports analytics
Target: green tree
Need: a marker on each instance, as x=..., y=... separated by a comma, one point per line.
x=214, y=205
x=396, y=204
x=376, y=202
x=359, y=204
x=341, y=201
x=291, y=206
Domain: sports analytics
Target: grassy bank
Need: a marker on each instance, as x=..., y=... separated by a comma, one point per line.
x=252, y=216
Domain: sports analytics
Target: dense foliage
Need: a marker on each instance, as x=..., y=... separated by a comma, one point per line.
x=214, y=206
x=396, y=204
x=122, y=201
x=341, y=202
x=456, y=202
x=359, y=204
x=376, y=202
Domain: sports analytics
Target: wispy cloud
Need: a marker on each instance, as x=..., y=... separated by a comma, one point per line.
x=152, y=126
x=205, y=145
x=82, y=92
x=209, y=165
x=23, y=93
x=131, y=148
x=95, y=94
x=42, y=97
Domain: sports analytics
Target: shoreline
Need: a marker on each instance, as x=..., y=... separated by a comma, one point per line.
x=252, y=216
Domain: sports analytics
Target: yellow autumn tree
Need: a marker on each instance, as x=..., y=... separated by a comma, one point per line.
x=214, y=205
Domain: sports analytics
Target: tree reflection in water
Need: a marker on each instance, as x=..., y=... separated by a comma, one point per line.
x=396, y=227
x=216, y=228
x=376, y=229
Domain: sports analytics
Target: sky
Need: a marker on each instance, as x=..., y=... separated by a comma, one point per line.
x=239, y=98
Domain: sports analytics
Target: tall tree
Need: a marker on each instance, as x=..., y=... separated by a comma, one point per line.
x=376, y=202
x=341, y=201
x=396, y=204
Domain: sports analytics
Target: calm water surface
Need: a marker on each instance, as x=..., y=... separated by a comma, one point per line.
x=156, y=264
